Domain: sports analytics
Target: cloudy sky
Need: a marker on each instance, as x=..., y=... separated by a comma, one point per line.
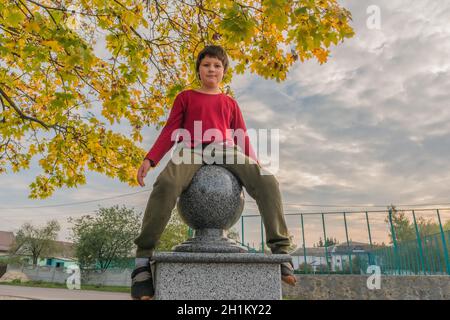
x=367, y=129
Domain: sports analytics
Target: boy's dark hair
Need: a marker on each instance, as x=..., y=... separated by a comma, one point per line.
x=215, y=52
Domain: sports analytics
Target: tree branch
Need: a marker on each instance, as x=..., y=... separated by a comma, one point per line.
x=21, y=114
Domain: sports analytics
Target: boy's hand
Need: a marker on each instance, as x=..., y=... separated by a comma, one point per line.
x=142, y=172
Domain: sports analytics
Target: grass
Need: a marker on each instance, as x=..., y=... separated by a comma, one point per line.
x=42, y=284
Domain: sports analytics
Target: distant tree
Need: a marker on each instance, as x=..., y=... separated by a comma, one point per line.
x=404, y=227
x=36, y=242
x=305, y=268
x=328, y=243
x=105, y=237
x=357, y=264
x=175, y=233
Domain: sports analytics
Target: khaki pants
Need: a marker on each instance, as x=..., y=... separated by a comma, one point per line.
x=175, y=178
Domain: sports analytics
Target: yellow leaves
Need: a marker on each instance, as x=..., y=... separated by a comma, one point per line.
x=32, y=26
x=130, y=18
x=13, y=17
x=323, y=4
x=137, y=136
x=93, y=144
x=136, y=93
x=43, y=100
x=41, y=188
x=134, y=77
x=21, y=43
x=32, y=150
x=54, y=45
x=321, y=55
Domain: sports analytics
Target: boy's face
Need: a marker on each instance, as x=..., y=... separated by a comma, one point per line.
x=211, y=71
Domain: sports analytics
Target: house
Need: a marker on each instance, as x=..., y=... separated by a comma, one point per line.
x=6, y=240
x=57, y=262
x=358, y=252
x=63, y=255
x=314, y=257
x=338, y=257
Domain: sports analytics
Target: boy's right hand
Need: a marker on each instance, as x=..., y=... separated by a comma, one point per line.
x=142, y=172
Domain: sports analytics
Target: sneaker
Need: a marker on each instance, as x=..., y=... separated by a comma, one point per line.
x=287, y=273
x=142, y=283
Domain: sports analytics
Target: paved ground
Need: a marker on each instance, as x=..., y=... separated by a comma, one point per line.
x=17, y=292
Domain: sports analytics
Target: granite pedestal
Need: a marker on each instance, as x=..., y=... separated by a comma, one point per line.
x=210, y=266
x=217, y=276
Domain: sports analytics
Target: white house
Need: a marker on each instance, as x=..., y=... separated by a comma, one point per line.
x=315, y=257
x=341, y=253
x=338, y=256
x=62, y=256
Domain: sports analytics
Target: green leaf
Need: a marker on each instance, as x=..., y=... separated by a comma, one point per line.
x=14, y=18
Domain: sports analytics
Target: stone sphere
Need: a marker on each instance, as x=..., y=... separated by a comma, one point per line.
x=213, y=200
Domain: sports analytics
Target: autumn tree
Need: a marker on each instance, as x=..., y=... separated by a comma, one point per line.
x=69, y=69
x=36, y=242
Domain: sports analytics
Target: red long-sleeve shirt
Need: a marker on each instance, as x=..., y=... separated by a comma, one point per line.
x=215, y=111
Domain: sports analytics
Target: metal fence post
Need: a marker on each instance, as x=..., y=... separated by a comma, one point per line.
x=304, y=246
x=348, y=245
x=438, y=253
x=416, y=260
x=262, y=236
x=371, y=255
x=242, y=230
x=368, y=228
x=444, y=244
x=419, y=242
x=394, y=240
x=325, y=243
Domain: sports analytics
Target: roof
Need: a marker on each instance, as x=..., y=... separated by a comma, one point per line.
x=310, y=252
x=61, y=258
x=352, y=246
x=63, y=249
x=342, y=248
x=6, y=240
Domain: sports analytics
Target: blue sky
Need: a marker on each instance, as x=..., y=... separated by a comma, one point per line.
x=370, y=127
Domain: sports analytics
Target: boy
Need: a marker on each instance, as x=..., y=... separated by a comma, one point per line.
x=220, y=113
